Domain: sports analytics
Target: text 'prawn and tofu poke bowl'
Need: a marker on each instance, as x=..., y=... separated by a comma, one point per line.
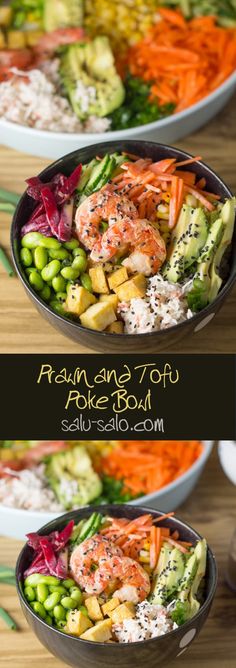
x=78, y=66
x=120, y=577
x=127, y=243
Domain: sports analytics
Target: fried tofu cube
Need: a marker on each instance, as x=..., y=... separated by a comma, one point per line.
x=123, y=611
x=16, y=39
x=98, y=316
x=33, y=37
x=5, y=16
x=99, y=633
x=78, y=299
x=116, y=327
x=107, y=608
x=93, y=607
x=117, y=277
x=99, y=281
x=77, y=622
x=2, y=40
x=135, y=287
x=110, y=299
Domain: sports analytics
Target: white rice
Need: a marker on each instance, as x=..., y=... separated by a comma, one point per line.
x=28, y=490
x=150, y=621
x=165, y=305
x=36, y=102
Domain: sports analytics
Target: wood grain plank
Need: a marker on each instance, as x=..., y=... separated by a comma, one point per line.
x=211, y=510
x=24, y=330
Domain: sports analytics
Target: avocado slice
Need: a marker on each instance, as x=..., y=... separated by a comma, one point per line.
x=188, y=239
x=228, y=218
x=188, y=577
x=90, y=78
x=169, y=577
x=62, y=14
x=201, y=556
x=71, y=476
x=213, y=239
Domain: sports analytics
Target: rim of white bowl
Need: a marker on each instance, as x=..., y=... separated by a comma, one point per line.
x=200, y=461
x=129, y=132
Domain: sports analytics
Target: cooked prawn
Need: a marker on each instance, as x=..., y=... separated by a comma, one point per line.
x=125, y=233
x=96, y=553
x=148, y=249
x=97, y=563
x=104, y=205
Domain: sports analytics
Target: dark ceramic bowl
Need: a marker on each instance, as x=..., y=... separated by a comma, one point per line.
x=86, y=654
x=103, y=341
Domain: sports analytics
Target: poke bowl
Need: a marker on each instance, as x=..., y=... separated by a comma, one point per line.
x=46, y=480
x=69, y=79
x=132, y=612
x=144, y=285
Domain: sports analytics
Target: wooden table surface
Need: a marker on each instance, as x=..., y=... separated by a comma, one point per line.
x=24, y=330
x=211, y=509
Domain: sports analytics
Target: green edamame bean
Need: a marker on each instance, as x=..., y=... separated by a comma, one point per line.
x=29, y=270
x=42, y=592
x=59, y=253
x=68, y=583
x=59, y=284
x=76, y=595
x=48, y=619
x=70, y=273
x=45, y=293
x=31, y=240
x=50, y=243
x=29, y=594
x=79, y=263
x=71, y=245
x=40, y=257
x=86, y=282
x=39, y=609
x=52, y=600
x=61, y=590
x=79, y=251
x=36, y=281
x=57, y=306
x=68, y=603
x=61, y=624
x=59, y=613
x=69, y=283
x=26, y=257
x=50, y=270
x=36, y=578
x=61, y=296
x=84, y=610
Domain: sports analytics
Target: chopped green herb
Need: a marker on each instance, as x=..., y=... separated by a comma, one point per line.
x=137, y=108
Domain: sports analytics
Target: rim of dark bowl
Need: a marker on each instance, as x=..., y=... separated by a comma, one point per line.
x=77, y=326
x=109, y=508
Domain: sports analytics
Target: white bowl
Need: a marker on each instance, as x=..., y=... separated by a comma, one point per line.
x=17, y=523
x=227, y=456
x=55, y=144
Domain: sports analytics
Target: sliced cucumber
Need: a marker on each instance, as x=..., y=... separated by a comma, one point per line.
x=97, y=175
x=86, y=173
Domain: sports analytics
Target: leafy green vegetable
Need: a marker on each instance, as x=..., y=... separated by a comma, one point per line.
x=225, y=10
x=180, y=613
x=136, y=108
x=23, y=8
x=113, y=491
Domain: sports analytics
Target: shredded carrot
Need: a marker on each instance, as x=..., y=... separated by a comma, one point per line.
x=147, y=183
x=146, y=466
x=175, y=543
x=183, y=60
